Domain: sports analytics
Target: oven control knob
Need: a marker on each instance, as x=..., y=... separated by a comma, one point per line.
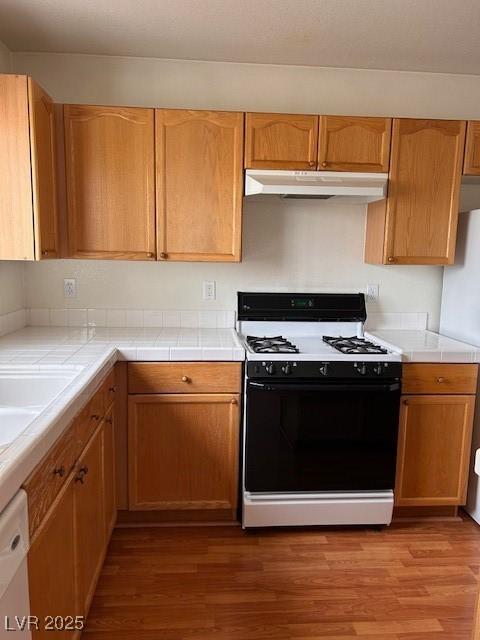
x=362, y=369
x=377, y=369
x=271, y=369
x=287, y=369
x=324, y=369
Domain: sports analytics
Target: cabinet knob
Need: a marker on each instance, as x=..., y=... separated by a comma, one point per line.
x=391, y=259
x=82, y=472
x=149, y=254
x=233, y=401
x=405, y=401
x=112, y=389
x=311, y=163
x=324, y=164
x=440, y=379
x=59, y=471
x=44, y=252
x=109, y=421
x=95, y=417
x=164, y=255
x=185, y=379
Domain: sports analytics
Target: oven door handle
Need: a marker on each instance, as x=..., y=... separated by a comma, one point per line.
x=388, y=387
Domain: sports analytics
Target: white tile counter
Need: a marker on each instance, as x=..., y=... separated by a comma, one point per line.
x=92, y=352
x=425, y=346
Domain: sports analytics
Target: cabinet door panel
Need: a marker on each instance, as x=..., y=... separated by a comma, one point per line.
x=434, y=450
x=89, y=518
x=42, y=135
x=422, y=205
x=183, y=451
x=199, y=184
x=471, y=165
x=281, y=141
x=354, y=144
x=109, y=155
x=51, y=566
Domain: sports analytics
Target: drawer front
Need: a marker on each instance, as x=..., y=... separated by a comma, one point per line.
x=89, y=418
x=49, y=476
x=188, y=377
x=439, y=378
x=109, y=390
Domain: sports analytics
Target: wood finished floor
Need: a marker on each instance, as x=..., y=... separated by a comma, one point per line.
x=409, y=582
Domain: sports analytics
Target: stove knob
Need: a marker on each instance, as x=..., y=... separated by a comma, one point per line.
x=287, y=369
x=324, y=369
x=377, y=369
x=271, y=369
x=362, y=369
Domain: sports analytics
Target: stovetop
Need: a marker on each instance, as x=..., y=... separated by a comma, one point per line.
x=354, y=345
x=275, y=344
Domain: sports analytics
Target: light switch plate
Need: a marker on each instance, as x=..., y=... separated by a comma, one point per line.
x=209, y=290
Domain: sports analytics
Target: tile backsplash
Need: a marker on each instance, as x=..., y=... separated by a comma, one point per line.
x=12, y=321
x=215, y=319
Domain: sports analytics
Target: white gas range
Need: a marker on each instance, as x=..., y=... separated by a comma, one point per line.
x=321, y=412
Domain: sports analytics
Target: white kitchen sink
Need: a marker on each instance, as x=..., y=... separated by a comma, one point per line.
x=23, y=396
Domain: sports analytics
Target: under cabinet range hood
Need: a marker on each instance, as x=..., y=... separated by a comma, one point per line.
x=354, y=188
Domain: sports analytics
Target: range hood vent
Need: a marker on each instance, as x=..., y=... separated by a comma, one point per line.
x=354, y=188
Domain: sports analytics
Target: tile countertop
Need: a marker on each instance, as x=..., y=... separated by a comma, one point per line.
x=425, y=346
x=91, y=351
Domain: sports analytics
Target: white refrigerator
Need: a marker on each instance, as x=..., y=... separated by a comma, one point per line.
x=460, y=319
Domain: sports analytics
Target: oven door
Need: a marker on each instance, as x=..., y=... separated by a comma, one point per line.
x=311, y=436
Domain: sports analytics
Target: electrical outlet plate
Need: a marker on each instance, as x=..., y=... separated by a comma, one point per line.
x=69, y=288
x=209, y=290
x=372, y=292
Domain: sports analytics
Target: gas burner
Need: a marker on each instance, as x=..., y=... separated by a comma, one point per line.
x=276, y=344
x=354, y=345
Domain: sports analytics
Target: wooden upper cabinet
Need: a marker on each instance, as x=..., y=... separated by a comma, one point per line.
x=199, y=184
x=417, y=223
x=354, y=144
x=434, y=450
x=471, y=166
x=281, y=141
x=109, y=157
x=28, y=201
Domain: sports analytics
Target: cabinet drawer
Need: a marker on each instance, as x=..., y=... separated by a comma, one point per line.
x=89, y=418
x=188, y=377
x=109, y=390
x=49, y=476
x=440, y=378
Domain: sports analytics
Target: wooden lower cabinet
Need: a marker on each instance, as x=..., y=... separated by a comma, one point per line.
x=51, y=566
x=89, y=519
x=183, y=451
x=109, y=473
x=434, y=450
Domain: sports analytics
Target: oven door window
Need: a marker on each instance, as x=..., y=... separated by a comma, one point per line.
x=321, y=437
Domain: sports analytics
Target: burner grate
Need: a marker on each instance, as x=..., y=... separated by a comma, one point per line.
x=275, y=344
x=354, y=345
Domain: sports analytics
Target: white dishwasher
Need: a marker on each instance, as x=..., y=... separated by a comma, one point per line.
x=14, y=543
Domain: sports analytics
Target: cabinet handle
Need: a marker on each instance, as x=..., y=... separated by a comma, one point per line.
x=390, y=259
x=163, y=255
x=82, y=472
x=440, y=379
x=95, y=416
x=311, y=163
x=186, y=379
x=324, y=164
x=59, y=471
x=112, y=389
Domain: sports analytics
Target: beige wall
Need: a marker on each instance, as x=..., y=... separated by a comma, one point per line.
x=11, y=273
x=289, y=244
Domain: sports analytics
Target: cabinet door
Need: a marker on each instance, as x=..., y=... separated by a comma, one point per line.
x=183, y=451
x=109, y=156
x=354, y=144
x=422, y=204
x=281, y=141
x=51, y=566
x=471, y=165
x=199, y=185
x=42, y=140
x=109, y=473
x=434, y=450
x=89, y=518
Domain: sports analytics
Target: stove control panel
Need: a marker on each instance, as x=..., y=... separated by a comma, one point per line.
x=330, y=369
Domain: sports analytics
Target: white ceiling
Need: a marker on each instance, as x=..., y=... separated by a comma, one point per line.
x=416, y=35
